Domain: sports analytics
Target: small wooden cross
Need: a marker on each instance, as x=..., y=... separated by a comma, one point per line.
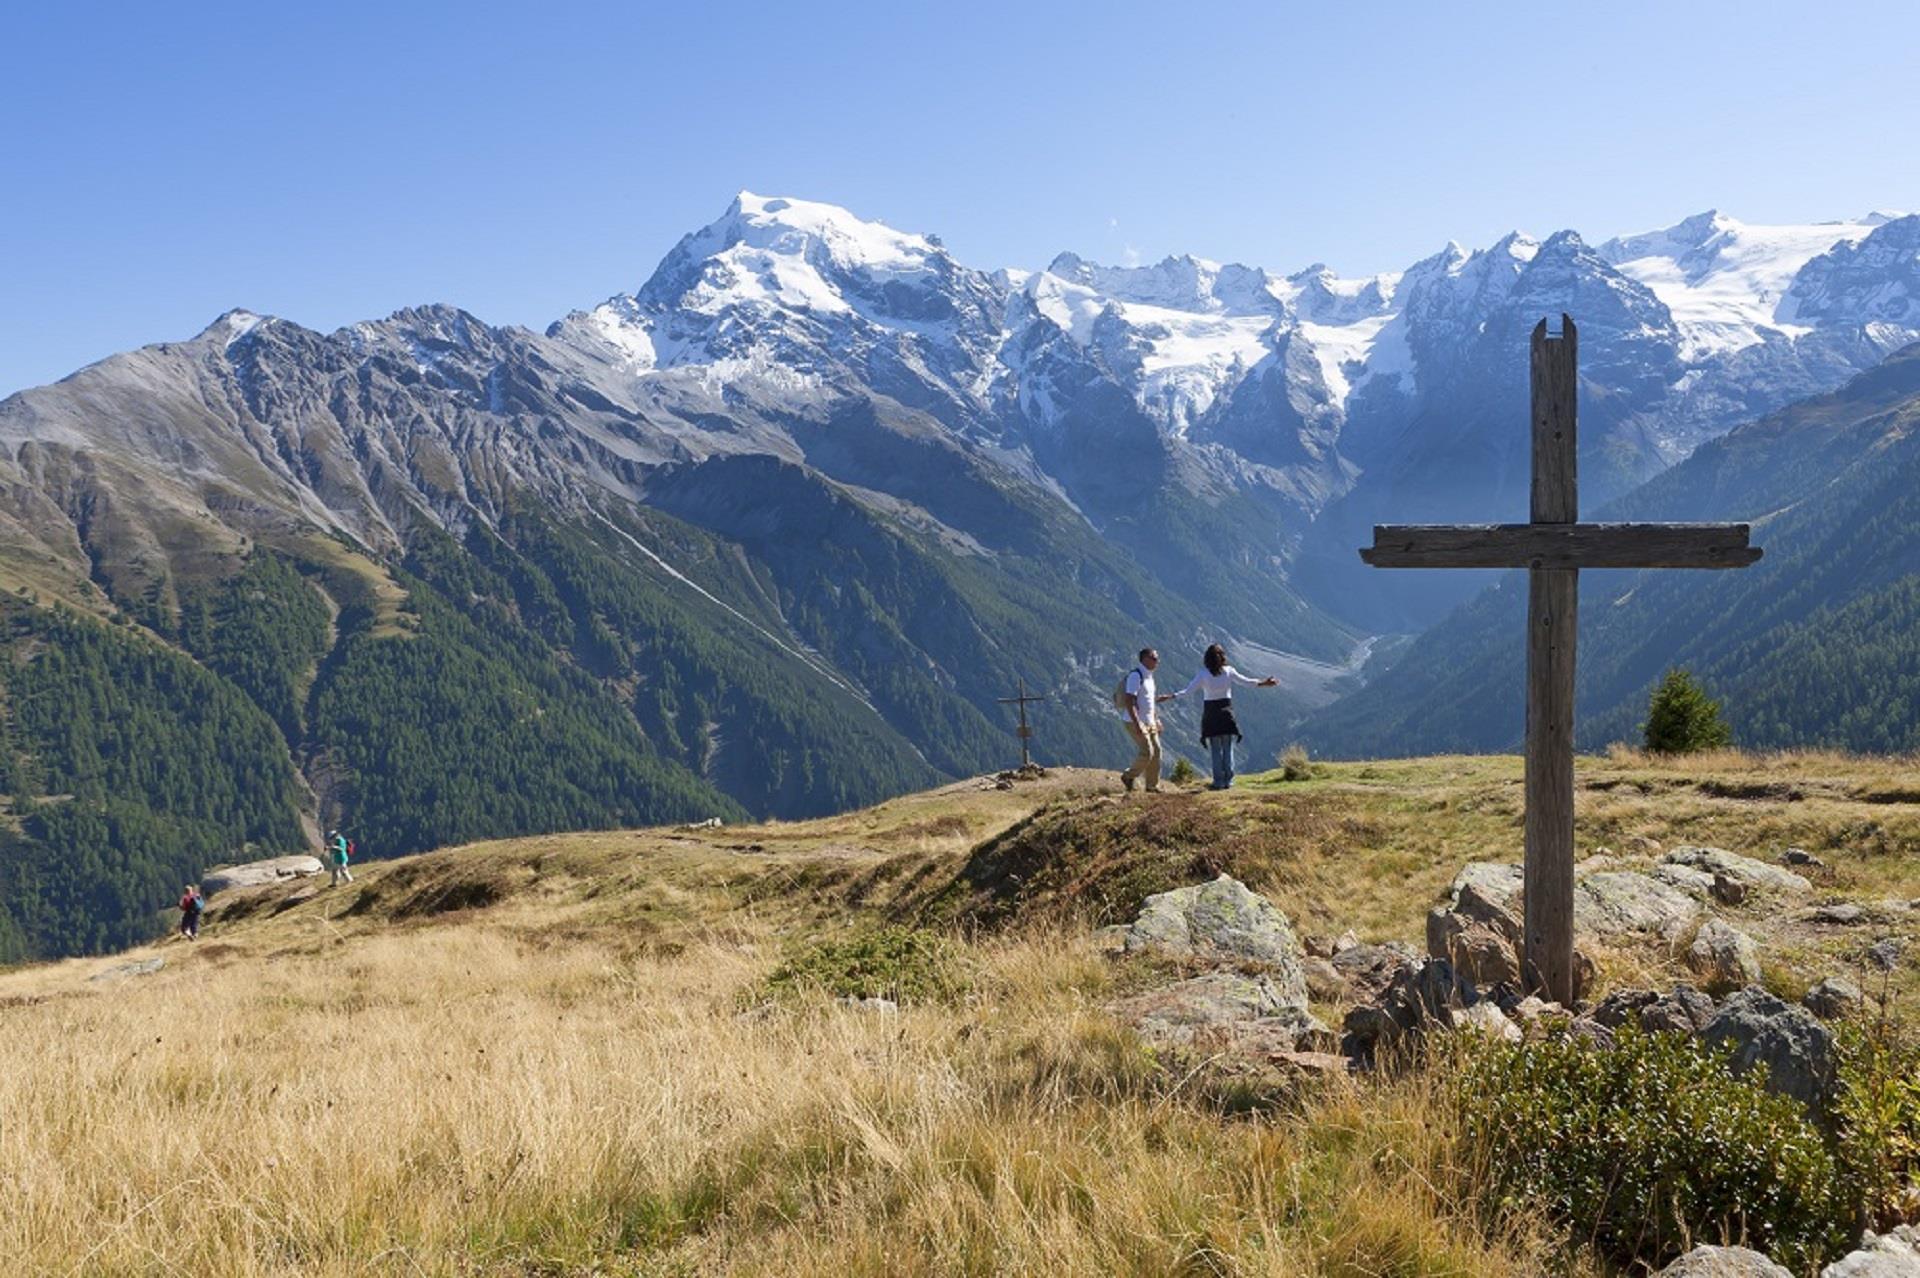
x=1026, y=733
x=1554, y=547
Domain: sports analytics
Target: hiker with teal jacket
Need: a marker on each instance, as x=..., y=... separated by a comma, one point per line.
x=339, y=851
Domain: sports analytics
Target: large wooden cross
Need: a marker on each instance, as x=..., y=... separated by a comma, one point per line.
x=1554, y=547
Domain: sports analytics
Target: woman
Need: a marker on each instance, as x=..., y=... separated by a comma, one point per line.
x=192, y=906
x=1217, y=727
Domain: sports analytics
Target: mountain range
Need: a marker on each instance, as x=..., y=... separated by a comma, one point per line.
x=773, y=532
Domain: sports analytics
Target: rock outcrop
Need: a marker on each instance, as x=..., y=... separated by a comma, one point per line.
x=1793, y=1048
x=1223, y=922
x=258, y=873
x=1894, y=1254
x=1723, y=956
x=1724, y=1262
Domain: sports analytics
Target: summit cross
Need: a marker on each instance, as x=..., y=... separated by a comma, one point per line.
x=1554, y=546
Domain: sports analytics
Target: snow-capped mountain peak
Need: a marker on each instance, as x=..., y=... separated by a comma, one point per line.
x=1724, y=279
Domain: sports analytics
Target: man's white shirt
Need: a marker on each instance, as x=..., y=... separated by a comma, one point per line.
x=1140, y=684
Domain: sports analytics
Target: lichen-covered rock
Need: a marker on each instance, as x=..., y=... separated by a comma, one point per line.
x=1894, y=1254
x=1685, y=877
x=1794, y=1049
x=1834, y=997
x=1724, y=1262
x=1743, y=869
x=1723, y=956
x=258, y=873
x=1621, y=903
x=1213, y=999
x=1223, y=921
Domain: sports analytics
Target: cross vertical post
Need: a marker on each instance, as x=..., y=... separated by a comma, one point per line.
x=1552, y=622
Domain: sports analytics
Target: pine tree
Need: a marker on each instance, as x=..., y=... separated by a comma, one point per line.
x=1681, y=718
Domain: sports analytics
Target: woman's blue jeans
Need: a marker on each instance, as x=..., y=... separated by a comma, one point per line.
x=1221, y=748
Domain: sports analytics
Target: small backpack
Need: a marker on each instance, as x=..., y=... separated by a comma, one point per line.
x=1120, y=689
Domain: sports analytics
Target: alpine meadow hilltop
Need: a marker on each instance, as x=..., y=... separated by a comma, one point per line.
x=769, y=536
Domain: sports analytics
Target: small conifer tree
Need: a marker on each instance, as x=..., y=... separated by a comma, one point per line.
x=1682, y=718
x=1184, y=773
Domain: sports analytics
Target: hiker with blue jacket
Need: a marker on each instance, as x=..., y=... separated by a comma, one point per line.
x=1218, y=728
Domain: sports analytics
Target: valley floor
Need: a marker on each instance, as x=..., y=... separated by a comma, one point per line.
x=600, y=1054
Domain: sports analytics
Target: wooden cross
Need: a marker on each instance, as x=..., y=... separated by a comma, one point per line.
x=1026, y=733
x=1554, y=547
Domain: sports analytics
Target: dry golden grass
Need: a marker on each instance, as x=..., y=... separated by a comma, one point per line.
x=544, y=1056
x=454, y=1101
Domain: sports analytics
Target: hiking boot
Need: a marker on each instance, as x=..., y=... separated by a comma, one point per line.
x=1126, y=779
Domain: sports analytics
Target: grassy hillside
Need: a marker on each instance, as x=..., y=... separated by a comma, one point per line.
x=619, y=1053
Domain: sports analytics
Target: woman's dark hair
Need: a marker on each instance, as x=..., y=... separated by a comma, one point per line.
x=1215, y=659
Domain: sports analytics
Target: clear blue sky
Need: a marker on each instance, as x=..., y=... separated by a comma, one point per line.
x=333, y=162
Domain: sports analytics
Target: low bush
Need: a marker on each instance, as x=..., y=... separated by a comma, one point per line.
x=1294, y=764
x=907, y=965
x=1647, y=1149
x=1876, y=1115
x=1184, y=773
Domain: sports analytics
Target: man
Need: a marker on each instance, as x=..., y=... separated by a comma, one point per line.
x=337, y=856
x=1143, y=723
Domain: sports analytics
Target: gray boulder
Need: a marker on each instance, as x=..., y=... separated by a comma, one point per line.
x=1724, y=1262
x=1223, y=922
x=1793, y=1048
x=1223, y=1007
x=1894, y=1254
x=1723, y=956
x=1683, y=1011
x=139, y=967
x=1834, y=997
x=1802, y=857
x=1742, y=869
x=259, y=873
x=1621, y=903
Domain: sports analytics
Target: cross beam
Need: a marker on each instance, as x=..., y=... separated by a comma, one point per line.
x=1560, y=546
x=1553, y=547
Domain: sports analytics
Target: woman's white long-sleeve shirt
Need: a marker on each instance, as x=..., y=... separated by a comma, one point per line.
x=1217, y=687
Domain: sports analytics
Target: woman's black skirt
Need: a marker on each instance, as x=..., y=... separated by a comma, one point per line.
x=1216, y=720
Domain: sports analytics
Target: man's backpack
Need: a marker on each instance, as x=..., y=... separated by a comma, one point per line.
x=1120, y=689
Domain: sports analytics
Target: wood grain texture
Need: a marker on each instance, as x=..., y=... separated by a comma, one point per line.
x=1556, y=453
x=1552, y=620
x=1560, y=546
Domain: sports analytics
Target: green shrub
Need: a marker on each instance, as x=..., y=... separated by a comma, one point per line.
x=1681, y=718
x=1647, y=1149
x=1876, y=1116
x=907, y=965
x=1294, y=764
x=1184, y=773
